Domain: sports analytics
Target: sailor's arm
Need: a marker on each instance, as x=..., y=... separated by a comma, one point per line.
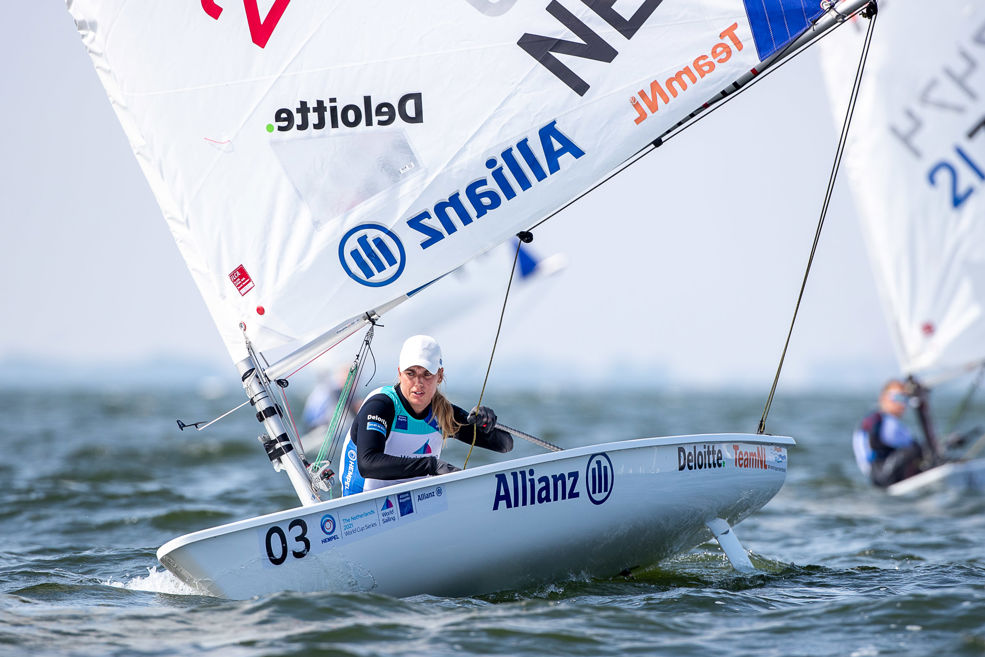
x=491, y=438
x=372, y=426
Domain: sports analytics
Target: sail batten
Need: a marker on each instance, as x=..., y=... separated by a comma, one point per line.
x=314, y=165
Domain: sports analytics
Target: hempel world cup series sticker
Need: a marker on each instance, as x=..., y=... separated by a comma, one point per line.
x=296, y=538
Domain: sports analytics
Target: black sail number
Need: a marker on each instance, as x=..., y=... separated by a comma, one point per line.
x=276, y=542
x=301, y=538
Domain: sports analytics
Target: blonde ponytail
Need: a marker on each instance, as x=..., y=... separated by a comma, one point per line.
x=445, y=415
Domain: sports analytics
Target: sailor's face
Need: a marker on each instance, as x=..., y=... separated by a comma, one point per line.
x=419, y=385
x=894, y=400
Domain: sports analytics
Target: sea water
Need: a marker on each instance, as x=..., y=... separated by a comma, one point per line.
x=93, y=482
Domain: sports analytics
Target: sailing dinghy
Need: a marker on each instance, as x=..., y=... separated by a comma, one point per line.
x=320, y=163
x=917, y=169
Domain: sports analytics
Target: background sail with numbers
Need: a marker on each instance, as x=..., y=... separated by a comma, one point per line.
x=917, y=167
x=316, y=161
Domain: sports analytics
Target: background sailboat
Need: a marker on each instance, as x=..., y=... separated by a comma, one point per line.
x=314, y=181
x=917, y=168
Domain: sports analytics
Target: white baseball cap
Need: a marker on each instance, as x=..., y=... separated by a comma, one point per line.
x=421, y=350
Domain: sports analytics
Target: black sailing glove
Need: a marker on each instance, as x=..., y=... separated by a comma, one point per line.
x=443, y=467
x=483, y=417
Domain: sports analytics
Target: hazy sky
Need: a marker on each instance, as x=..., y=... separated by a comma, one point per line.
x=684, y=269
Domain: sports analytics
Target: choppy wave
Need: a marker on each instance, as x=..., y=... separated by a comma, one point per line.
x=102, y=481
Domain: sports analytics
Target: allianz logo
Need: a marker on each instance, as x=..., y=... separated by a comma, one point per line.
x=521, y=488
x=371, y=254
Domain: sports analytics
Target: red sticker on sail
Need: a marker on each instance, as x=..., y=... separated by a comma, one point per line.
x=241, y=279
x=260, y=28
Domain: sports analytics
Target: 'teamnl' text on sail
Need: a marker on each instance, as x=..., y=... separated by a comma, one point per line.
x=678, y=83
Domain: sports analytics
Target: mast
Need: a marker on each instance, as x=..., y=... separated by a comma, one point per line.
x=920, y=393
x=277, y=442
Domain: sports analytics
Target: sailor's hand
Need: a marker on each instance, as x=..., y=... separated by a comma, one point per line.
x=483, y=417
x=444, y=467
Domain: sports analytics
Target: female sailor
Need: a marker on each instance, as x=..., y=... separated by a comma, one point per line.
x=398, y=431
x=885, y=450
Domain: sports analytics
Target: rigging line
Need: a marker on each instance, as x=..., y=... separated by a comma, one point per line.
x=526, y=436
x=290, y=416
x=869, y=12
x=779, y=59
x=206, y=425
x=966, y=402
x=327, y=447
x=633, y=159
x=352, y=382
x=372, y=376
x=313, y=359
x=368, y=317
x=782, y=58
x=502, y=313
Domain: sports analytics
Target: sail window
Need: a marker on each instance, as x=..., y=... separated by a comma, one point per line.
x=346, y=170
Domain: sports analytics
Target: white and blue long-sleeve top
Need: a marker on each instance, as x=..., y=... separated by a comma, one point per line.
x=877, y=436
x=389, y=443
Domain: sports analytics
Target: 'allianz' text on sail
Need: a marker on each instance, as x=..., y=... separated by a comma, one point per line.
x=483, y=196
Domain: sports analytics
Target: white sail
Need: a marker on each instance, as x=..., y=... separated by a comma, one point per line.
x=318, y=160
x=916, y=162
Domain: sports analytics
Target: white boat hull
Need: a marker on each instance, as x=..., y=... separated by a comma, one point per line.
x=591, y=511
x=964, y=475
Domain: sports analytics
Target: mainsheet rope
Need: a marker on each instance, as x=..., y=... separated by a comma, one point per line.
x=523, y=237
x=869, y=12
